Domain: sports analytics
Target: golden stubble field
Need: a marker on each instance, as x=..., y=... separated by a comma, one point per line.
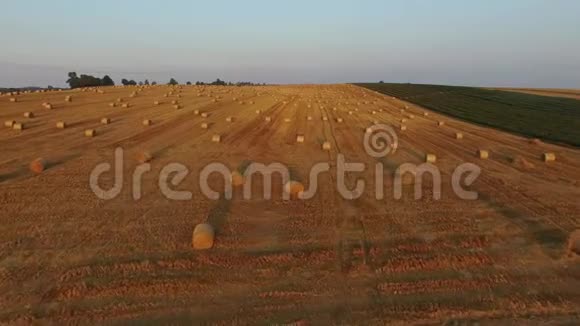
x=67, y=256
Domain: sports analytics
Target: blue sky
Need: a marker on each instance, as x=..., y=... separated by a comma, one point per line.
x=485, y=42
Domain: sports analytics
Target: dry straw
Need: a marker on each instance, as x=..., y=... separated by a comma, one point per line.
x=430, y=158
x=549, y=157
x=483, y=154
x=203, y=237
x=38, y=165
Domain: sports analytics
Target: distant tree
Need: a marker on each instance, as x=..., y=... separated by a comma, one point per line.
x=124, y=82
x=219, y=82
x=89, y=81
x=140, y=83
x=154, y=83
x=172, y=81
x=107, y=81
x=188, y=83
x=73, y=80
x=146, y=81
x=50, y=87
x=132, y=82
x=381, y=82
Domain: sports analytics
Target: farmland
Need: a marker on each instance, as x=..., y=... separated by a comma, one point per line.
x=546, y=117
x=70, y=257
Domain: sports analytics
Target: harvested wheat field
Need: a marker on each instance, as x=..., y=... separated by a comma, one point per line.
x=70, y=257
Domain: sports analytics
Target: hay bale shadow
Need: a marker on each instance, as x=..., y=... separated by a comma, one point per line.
x=218, y=215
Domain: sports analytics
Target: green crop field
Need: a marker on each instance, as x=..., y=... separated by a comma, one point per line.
x=548, y=118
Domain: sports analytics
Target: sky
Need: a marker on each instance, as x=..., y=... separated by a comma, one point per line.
x=519, y=43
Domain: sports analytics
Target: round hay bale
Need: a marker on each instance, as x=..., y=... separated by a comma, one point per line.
x=61, y=125
x=324, y=118
x=403, y=128
x=38, y=165
x=350, y=113
x=173, y=102
x=120, y=100
x=203, y=237
x=309, y=118
x=458, y=135
x=574, y=244
x=258, y=111
x=403, y=120
x=216, y=138
x=13, y=99
x=47, y=106
x=549, y=157
x=196, y=112
x=156, y=102
x=287, y=120
x=430, y=158
x=294, y=188
x=369, y=130
x=9, y=123
x=237, y=179
x=326, y=146
x=268, y=119
x=90, y=133
x=374, y=112
x=18, y=126
x=339, y=120
x=425, y=114
x=147, y=122
x=204, y=125
x=522, y=163
x=300, y=139
x=113, y=104
x=177, y=106
x=229, y=119
x=482, y=154
x=144, y=157
x=535, y=141
x=411, y=116
x=68, y=99
x=126, y=105
x=105, y=121
x=441, y=123
x=205, y=115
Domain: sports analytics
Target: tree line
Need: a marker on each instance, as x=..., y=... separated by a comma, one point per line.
x=75, y=81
